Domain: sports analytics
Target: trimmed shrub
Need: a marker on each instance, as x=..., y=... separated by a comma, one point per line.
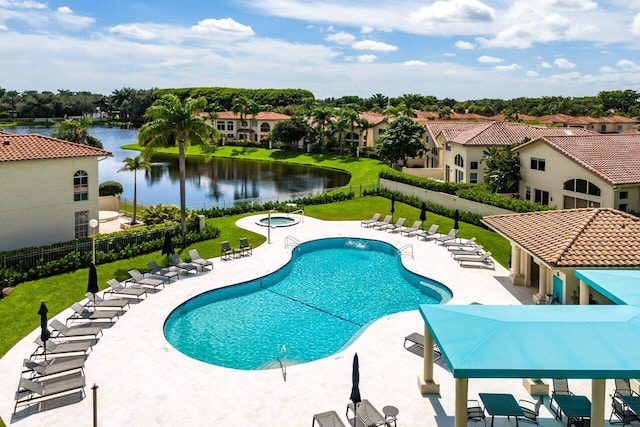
x=110, y=188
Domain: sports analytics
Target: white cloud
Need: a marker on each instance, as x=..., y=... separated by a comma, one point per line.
x=564, y=63
x=453, y=11
x=341, y=37
x=512, y=67
x=572, y=5
x=65, y=10
x=607, y=70
x=635, y=25
x=132, y=31
x=489, y=59
x=22, y=4
x=3, y=27
x=366, y=29
x=448, y=54
x=373, y=45
x=628, y=66
x=463, y=45
x=414, y=63
x=532, y=73
x=545, y=64
x=226, y=26
x=70, y=20
x=367, y=58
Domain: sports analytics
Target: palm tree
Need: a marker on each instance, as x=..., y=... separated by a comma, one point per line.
x=352, y=118
x=171, y=121
x=77, y=131
x=245, y=107
x=321, y=117
x=135, y=164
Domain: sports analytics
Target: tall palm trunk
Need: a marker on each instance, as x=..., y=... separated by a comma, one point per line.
x=135, y=195
x=183, y=199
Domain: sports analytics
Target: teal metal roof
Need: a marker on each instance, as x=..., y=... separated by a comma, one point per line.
x=620, y=286
x=537, y=341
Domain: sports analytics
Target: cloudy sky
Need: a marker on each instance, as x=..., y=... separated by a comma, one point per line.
x=462, y=49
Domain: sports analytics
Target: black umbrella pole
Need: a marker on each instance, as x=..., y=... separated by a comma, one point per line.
x=95, y=404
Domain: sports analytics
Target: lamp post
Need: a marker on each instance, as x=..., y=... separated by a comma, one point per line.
x=93, y=224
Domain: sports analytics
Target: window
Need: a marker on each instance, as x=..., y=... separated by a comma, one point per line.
x=229, y=125
x=458, y=160
x=623, y=207
x=231, y=136
x=244, y=124
x=264, y=127
x=582, y=186
x=434, y=151
x=538, y=164
x=447, y=173
x=473, y=177
x=541, y=197
x=527, y=194
x=80, y=186
x=381, y=131
x=447, y=146
x=220, y=125
x=576, y=202
x=81, y=224
x=459, y=176
x=624, y=195
x=474, y=165
x=603, y=128
x=619, y=127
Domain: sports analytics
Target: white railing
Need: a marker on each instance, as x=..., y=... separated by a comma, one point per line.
x=290, y=241
x=406, y=250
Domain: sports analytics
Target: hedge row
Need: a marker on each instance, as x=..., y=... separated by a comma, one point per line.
x=475, y=192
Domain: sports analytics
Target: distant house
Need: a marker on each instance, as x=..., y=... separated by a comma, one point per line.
x=607, y=124
x=455, y=148
x=378, y=123
x=49, y=190
x=253, y=128
x=582, y=171
x=547, y=247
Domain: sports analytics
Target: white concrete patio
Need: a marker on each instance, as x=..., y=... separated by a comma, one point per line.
x=144, y=381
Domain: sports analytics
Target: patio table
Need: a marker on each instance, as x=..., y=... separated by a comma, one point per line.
x=501, y=404
x=633, y=402
x=573, y=406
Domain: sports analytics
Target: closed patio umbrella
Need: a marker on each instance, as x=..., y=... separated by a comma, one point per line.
x=167, y=246
x=423, y=213
x=456, y=216
x=355, y=387
x=44, y=332
x=393, y=206
x=92, y=283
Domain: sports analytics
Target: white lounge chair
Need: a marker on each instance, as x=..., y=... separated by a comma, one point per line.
x=391, y=228
x=483, y=259
x=59, y=349
x=409, y=231
x=30, y=390
x=98, y=302
x=447, y=237
x=430, y=234
x=184, y=266
x=80, y=312
x=53, y=366
x=372, y=220
x=455, y=244
x=197, y=259
x=76, y=331
x=384, y=222
x=117, y=289
x=466, y=250
x=139, y=279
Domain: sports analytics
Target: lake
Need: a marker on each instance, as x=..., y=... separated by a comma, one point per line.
x=219, y=183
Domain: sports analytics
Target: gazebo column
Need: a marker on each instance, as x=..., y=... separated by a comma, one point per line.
x=526, y=268
x=597, y=402
x=426, y=382
x=516, y=266
x=543, y=280
x=584, y=293
x=462, y=392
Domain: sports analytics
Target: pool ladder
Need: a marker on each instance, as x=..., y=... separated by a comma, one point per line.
x=282, y=358
x=290, y=241
x=300, y=212
x=406, y=250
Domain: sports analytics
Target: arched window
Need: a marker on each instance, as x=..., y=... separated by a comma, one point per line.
x=352, y=137
x=264, y=127
x=80, y=186
x=459, y=161
x=603, y=128
x=582, y=186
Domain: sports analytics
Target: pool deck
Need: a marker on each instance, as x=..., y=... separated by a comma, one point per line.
x=144, y=381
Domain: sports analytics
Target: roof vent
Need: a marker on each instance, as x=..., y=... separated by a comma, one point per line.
x=6, y=142
x=568, y=132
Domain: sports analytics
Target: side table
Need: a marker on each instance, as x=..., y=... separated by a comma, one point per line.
x=390, y=415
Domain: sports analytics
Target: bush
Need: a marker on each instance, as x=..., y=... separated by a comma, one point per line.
x=242, y=143
x=165, y=214
x=110, y=188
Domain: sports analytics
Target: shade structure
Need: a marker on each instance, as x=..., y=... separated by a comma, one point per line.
x=355, y=386
x=620, y=286
x=423, y=212
x=167, y=246
x=44, y=331
x=92, y=282
x=456, y=218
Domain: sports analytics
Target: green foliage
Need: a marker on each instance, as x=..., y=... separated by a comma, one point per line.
x=225, y=96
x=290, y=131
x=502, y=167
x=76, y=131
x=165, y=214
x=401, y=140
x=242, y=143
x=110, y=188
x=475, y=192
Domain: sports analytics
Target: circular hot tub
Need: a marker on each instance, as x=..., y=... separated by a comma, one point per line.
x=278, y=221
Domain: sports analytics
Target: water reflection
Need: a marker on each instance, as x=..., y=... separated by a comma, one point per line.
x=221, y=182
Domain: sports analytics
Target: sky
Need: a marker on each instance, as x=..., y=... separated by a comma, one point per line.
x=461, y=49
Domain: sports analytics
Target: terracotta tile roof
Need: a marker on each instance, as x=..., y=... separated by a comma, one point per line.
x=37, y=147
x=262, y=115
x=505, y=133
x=584, y=120
x=613, y=157
x=373, y=118
x=600, y=237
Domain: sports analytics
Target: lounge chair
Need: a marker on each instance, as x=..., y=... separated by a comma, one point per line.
x=62, y=348
x=80, y=312
x=226, y=252
x=621, y=411
x=117, y=289
x=378, y=224
x=410, y=231
x=453, y=244
x=418, y=340
x=366, y=413
x=452, y=235
x=391, y=228
x=465, y=250
x=197, y=259
x=327, y=419
x=372, y=220
x=63, y=330
x=623, y=387
x=30, y=390
x=475, y=412
x=112, y=303
x=139, y=279
x=53, y=366
x=164, y=272
x=530, y=410
x=431, y=233
x=185, y=266
x=560, y=386
x=482, y=259
x=245, y=247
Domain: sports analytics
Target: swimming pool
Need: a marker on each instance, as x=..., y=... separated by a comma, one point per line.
x=278, y=221
x=320, y=301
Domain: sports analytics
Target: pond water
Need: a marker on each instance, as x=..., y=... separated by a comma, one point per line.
x=221, y=182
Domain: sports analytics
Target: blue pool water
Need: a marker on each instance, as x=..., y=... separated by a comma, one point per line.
x=314, y=305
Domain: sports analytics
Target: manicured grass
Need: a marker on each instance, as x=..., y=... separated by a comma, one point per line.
x=362, y=171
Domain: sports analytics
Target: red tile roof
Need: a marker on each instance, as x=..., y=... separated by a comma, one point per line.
x=373, y=118
x=262, y=115
x=600, y=237
x=37, y=147
x=613, y=157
